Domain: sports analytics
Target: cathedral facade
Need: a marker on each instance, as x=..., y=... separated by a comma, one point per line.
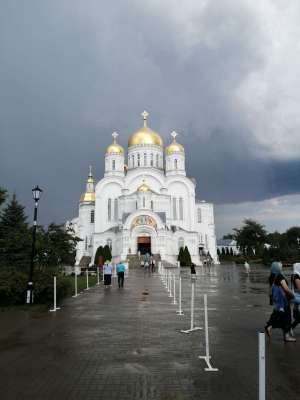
x=146, y=204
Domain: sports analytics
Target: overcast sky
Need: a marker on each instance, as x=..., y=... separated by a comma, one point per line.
x=224, y=74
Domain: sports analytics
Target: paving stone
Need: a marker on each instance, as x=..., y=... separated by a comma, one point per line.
x=123, y=344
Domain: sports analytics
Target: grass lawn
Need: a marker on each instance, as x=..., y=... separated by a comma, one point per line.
x=81, y=282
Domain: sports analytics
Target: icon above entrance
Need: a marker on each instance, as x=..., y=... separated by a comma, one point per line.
x=144, y=220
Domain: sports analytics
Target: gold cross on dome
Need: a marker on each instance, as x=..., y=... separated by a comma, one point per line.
x=115, y=135
x=145, y=116
x=90, y=170
x=174, y=134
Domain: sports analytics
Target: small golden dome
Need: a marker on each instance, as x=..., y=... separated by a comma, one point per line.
x=174, y=147
x=145, y=135
x=87, y=197
x=114, y=148
x=143, y=187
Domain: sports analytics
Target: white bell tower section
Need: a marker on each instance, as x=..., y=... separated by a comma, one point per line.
x=114, y=158
x=175, y=158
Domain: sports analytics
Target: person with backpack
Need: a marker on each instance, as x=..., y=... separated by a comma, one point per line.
x=295, y=281
x=280, y=295
x=120, y=273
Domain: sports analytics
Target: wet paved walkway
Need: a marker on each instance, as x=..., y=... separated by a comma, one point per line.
x=123, y=344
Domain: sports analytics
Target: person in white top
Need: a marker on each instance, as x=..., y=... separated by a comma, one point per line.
x=107, y=271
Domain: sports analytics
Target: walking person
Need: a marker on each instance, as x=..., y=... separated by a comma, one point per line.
x=247, y=267
x=107, y=271
x=121, y=274
x=295, y=281
x=280, y=296
x=147, y=264
x=152, y=263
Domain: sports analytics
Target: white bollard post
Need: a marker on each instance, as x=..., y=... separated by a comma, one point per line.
x=179, y=311
x=261, y=367
x=98, y=276
x=76, y=286
x=170, y=284
x=87, y=280
x=174, y=289
x=54, y=296
x=207, y=356
x=166, y=279
x=192, y=328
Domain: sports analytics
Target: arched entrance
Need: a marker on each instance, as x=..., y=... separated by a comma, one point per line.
x=144, y=244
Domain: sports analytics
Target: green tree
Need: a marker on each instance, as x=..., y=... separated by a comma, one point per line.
x=55, y=246
x=2, y=195
x=180, y=257
x=98, y=254
x=292, y=236
x=251, y=237
x=15, y=239
x=187, y=257
x=107, y=253
x=228, y=236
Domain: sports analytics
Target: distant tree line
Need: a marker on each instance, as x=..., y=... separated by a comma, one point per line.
x=55, y=247
x=254, y=242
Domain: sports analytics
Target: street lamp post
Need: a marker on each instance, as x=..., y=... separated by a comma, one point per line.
x=36, y=193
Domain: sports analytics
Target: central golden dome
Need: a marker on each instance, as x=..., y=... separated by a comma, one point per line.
x=145, y=135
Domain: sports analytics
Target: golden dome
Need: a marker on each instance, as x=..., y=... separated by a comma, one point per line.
x=87, y=197
x=114, y=148
x=174, y=147
x=143, y=187
x=145, y=135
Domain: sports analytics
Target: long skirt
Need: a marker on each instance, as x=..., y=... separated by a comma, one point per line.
x=107, y=279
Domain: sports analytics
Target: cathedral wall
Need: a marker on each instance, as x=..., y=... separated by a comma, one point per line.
x=107, y=211
x=181, y=203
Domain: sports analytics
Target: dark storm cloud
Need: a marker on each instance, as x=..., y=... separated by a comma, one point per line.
x=73, y=72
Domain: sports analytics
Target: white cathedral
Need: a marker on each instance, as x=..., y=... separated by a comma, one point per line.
x=146, y=205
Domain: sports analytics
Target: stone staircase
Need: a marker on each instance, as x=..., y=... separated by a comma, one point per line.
x=134, y=261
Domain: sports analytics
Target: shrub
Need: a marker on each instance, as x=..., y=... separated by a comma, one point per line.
x=13, y=286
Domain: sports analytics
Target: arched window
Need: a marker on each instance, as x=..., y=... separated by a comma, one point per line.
x=109, y=210
x=151, y=160
x=113, y=164
x=116, y=209
x=175, y=163
x=138, y=160
x=174, y=208
x=136, y=205
x=152, y=205
x=157, y=160
x=86, y=243
x=181, y=209
x=92, y=216
x=199, y=216
x=133, y=160
x=145, y=159
x=144, y=202
x=109, y=243
x=180, y=243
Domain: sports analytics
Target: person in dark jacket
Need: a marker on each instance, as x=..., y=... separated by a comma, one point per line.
x=280, y=295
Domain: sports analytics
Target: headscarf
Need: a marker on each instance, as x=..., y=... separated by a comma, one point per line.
x=296, y=269
x=276, y=268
